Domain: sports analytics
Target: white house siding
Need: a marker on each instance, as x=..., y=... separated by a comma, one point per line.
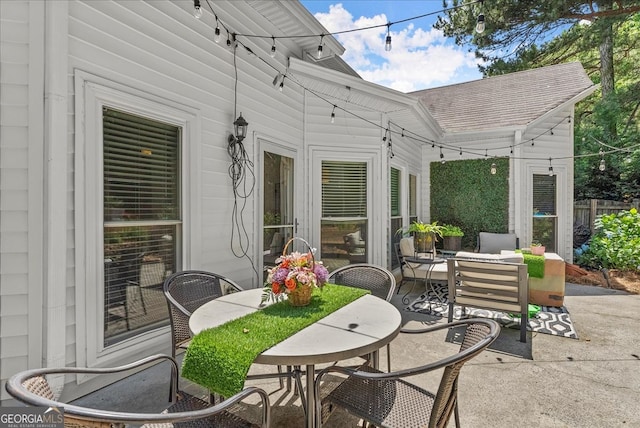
x=21, y=174
x=559, y=147
x=526, y=159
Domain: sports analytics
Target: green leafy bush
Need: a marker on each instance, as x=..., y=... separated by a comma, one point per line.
x=616, y=243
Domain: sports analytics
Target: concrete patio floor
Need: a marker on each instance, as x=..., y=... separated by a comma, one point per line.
x=549, y=381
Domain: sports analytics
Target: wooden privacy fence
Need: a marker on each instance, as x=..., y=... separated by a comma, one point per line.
x=585, y=212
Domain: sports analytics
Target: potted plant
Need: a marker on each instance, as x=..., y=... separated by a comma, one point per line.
x=537, y=249
x=452, y=237
x=425, y=235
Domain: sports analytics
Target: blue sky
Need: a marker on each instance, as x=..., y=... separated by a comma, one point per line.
x=421, y=57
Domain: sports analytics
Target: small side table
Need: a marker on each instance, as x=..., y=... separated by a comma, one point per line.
x=447, y=254
x=430, y=263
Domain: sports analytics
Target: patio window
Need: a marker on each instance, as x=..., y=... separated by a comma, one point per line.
x=142, y=221
x=413, y=198
x=344, y=223
x=545, y=218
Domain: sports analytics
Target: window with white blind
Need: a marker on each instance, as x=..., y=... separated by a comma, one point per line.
x=545, y=215
x=344, y=222
x=142, y=220
x=395, y=193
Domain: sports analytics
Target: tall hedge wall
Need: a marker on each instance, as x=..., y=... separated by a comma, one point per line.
x=466, y=194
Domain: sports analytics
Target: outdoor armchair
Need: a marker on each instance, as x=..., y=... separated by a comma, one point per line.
x=487, y=284
x=32, y=388
x=389, y=400
x=374, y=278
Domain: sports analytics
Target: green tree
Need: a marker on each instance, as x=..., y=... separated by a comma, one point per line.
x=604, y=36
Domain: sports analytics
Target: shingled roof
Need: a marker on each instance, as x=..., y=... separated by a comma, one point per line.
x=514, y=99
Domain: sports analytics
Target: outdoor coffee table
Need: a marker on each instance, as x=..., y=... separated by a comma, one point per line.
x=359, y=328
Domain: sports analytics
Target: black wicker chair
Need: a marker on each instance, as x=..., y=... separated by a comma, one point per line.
x=374, y=278
x=32, y=388
x=388, y=400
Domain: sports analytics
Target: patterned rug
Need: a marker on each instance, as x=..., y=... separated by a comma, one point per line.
x=550, y=320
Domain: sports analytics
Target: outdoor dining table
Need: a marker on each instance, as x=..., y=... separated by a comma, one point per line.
x=361, y=327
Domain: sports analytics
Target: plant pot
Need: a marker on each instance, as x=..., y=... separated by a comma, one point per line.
x=452, y=243
x=423, y=242
x=538, y=251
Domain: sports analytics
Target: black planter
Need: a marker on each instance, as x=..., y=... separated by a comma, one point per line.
x=452, y=243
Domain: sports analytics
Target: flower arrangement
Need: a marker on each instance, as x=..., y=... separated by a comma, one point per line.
x=294, y=272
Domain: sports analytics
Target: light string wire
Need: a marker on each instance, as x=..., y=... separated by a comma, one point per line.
x=405, y=132
x=244, y=182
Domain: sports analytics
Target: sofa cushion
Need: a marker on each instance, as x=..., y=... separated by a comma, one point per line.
x=494, y=242
x=508, y=257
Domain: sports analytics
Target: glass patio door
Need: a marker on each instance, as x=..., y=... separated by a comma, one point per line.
x=278, y=210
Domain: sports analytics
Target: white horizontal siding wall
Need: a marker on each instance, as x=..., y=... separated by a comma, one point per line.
x=21, y=156
x=348, y=138
x=160, y=49
x=559, y=147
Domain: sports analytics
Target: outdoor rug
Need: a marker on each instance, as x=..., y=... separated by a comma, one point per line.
x=550, y=320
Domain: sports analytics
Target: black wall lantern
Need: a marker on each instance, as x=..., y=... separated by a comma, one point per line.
x=240, y=126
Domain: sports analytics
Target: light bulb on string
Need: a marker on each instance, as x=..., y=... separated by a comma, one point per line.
x=387, y=43
x=480, y=25
x=216, y=32
x=602, y=165
x=319, y=53
x=333, y=114
x=486, y=153
x=460, y=152
x=273, y=48
x=550, y=168
x=442, y=156
x=494, y=169
x=197, y=10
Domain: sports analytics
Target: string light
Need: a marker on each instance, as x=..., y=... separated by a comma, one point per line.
x=273, y=48
x=480, y=25
x=460, y=152
x=197, y=10
x=387, y=43
x=319, y=54
x=602, y=165
x=494, y=168
x=550, y=168
x=333, y=114
x=388, y=25
x=441, y=156
x=216, y=32
x=233, y=36
x=486, y=153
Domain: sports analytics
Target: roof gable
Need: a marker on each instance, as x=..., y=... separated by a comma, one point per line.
x=510, y=100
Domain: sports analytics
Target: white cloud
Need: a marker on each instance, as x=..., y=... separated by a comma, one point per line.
x=418, y=59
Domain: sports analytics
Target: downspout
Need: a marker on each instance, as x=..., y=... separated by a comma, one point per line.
x=516, y=180
x=56, y=183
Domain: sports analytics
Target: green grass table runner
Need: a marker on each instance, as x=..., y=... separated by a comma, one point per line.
x=535, y=264
x=219, y=358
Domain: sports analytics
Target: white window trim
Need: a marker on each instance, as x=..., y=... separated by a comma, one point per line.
x=91, y=93
x=563, y=219
x=377, y=195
